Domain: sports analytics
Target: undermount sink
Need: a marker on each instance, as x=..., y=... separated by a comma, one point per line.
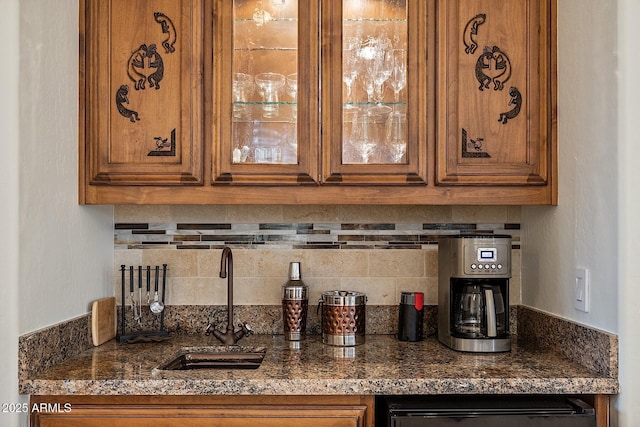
x=216, y=359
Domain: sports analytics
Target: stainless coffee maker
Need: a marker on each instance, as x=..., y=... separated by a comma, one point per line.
x=473, y=292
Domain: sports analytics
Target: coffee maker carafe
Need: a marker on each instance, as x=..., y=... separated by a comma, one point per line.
x=473, y=292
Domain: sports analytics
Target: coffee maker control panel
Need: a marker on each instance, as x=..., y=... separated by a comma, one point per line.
x=494, y=259
x=487, y=261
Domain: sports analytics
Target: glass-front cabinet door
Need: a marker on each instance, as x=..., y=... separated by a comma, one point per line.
x=265, y=72
x=374, y=88
x=337, y=86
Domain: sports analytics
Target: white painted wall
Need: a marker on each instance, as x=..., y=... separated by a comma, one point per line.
x=582, y=229
x=66, y=254
x=56, y=256
x=596, y=224
x=9, y=214
x=628, y=212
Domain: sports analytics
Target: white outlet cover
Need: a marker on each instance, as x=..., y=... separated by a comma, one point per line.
x=581, y=290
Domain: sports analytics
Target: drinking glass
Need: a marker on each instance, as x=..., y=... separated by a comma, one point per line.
x=270, y=85
x=242, y=90
x=292, y=90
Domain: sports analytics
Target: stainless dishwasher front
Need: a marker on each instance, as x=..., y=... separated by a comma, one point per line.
x=483, y=411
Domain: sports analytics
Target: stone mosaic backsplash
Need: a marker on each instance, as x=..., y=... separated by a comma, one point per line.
x=297, y=235
x=378, y=250
x=380, y=267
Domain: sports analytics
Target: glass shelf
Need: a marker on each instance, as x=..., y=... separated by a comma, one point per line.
x=269, y=21
x=263, y=48
x=375, y=20
x=370, y=103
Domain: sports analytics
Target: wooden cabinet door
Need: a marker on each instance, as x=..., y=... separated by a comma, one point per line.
x=202, y=417
x=494, y=101
x=376, y=91
x=202, y=411
x=142, y=91
x=263, y=121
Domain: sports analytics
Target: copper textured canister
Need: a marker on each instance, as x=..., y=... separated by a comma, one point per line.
x=295, y=305
x=343, y=317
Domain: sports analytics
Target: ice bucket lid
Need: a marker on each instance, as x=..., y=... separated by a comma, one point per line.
x=343, y=298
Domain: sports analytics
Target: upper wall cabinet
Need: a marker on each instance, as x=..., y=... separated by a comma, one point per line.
x=141, y=81
x=318, y=102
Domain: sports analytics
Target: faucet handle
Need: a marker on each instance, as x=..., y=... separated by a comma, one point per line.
x=209, y=329
x=244, y=326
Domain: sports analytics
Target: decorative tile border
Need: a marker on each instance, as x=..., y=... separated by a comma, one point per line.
x=297, y=235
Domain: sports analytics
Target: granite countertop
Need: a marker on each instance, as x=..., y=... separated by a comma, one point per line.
x=382, y=365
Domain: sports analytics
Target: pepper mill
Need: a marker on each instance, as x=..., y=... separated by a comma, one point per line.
x=295, y=304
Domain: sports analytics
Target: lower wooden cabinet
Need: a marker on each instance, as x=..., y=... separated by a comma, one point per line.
x=201, y=411
x=221, y=411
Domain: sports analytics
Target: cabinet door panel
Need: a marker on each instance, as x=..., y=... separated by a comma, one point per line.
x=493, y=125
x=375, y=92
x=267, y=130
x=143, y=89
x=292, y=416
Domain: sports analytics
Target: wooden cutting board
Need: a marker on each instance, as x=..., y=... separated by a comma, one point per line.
x=103, y=320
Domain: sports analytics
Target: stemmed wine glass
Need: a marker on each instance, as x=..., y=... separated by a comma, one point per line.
x=396, y=138
x=398, y=78
x=375, y=71
x=350, y=48
x=366, y=136
x=382, y=71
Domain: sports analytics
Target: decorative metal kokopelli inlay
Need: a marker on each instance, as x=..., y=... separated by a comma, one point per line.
x=516, y=101
x=145, y=65
x=493, y=66
x=164, y=147
x=135, y=67
x=472, y=148
x=122, y=97
x=167, y=28
x=470, y=31
x=155, y=63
